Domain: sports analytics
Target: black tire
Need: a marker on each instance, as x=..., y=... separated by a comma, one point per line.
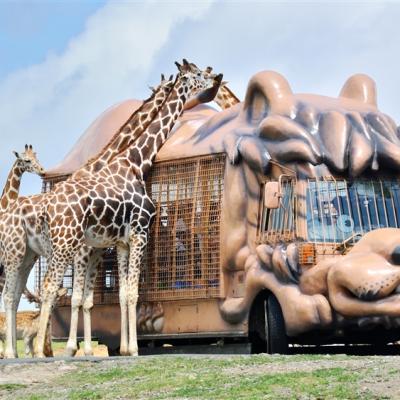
x=267, y=332
x=277, y=341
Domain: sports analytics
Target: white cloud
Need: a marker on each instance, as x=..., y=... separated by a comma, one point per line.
x=50, y=104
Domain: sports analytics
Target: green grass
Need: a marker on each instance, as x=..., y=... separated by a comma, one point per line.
x=235, y=377
x=10, y=387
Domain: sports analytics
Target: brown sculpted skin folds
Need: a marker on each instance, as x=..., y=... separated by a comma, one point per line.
x=335, y=153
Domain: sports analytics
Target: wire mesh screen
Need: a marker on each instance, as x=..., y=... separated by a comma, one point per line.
x=183, y=255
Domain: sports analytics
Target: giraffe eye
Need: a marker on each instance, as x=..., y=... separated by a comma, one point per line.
x=396, y=255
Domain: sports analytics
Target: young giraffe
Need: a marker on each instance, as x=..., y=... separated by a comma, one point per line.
x=110, y=208
x=25, y=162
x=85, y=273
x=87, y=262
x=18, y=241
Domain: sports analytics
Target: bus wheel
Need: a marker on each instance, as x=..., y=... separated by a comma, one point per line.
x=266, y=325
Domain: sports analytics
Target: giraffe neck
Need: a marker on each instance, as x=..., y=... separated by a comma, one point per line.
x=11, y=188
x=128, y=133
x=225, y=98
x=140, y=156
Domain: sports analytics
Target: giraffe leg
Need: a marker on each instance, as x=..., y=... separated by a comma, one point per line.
x=138, y=244
x=48, y=350
x=122, y=256
x=1, y=348
x=80, y=266
x=11, y=312
x=91, y=273
x=28, y=341
x=14, y=285
x=52, y=281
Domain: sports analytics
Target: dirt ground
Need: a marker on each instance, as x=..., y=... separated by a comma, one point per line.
x=378, y=377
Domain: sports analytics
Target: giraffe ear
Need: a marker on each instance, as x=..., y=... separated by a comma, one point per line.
x=179, y=66
x=16, y=154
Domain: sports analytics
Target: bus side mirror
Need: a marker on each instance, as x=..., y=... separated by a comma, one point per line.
x=272, y=195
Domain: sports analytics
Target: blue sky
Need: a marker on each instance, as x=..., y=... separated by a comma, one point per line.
x=63, y=62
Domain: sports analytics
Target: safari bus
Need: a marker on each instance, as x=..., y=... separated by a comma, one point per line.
x=277, y=223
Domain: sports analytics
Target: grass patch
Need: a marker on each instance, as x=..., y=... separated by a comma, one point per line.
x=84, y=395
x=10, y=387
x=220, y=378
x=203, y=378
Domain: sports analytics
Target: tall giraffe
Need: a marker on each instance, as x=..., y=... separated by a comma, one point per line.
x=88, y=260
x=18, y=247
x=85, y=273
x=112, y=208
x=25, y=162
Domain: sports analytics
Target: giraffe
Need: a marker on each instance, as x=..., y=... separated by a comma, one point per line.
x=18, y=251
x=85, y=271
x=111, y=208
x=88, y=260
x=225, y=98
x=25, y=162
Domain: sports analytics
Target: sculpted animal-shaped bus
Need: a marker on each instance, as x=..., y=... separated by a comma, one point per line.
x=277, y=222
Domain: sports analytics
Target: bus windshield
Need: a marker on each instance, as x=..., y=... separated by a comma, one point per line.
x=339, y=209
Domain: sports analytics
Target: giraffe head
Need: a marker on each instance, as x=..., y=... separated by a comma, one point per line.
x=28, y=161
x=202, y=84
x=165, y=85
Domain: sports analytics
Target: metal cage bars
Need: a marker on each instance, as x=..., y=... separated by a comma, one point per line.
x=183, y=254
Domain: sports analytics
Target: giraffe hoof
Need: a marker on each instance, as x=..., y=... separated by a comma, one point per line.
x=133, y=352
x=70, y=351
x=123, y=352
x=10, y=355
x=39, y=355
x=89, y=352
